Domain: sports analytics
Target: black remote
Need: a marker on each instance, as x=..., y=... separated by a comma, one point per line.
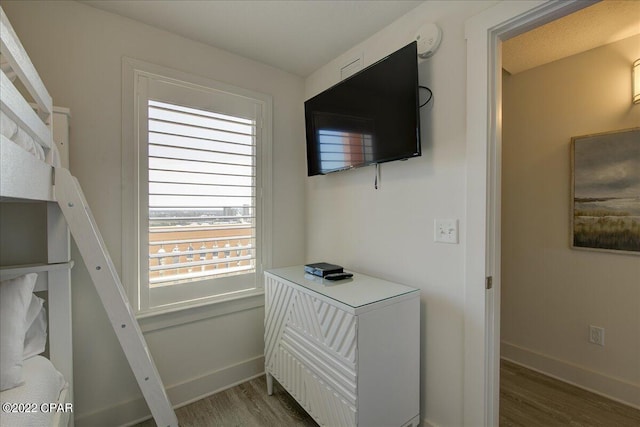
x=338, y=276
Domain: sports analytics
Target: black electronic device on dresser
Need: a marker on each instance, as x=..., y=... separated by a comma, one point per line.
x=322, y=269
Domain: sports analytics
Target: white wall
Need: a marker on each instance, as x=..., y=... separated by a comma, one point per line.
x=78, y=51
x=551, y=293
x=389, y=232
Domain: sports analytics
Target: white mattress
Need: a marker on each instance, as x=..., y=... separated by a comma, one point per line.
x=43, y=385
x=13, y=132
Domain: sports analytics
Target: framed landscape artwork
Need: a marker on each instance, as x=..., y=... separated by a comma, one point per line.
x=605, y=196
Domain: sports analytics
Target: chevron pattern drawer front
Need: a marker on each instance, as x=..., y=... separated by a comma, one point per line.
x=310, y=348
x=348, y=351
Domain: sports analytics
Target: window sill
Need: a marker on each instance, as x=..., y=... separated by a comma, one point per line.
x=174, y=316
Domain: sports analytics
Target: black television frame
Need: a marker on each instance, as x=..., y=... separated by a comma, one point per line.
x=333, y=107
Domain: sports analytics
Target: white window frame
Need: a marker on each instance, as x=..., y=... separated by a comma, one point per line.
x=134, y=189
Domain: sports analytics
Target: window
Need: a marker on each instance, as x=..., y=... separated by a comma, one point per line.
x=340, y=149
x=200, y=170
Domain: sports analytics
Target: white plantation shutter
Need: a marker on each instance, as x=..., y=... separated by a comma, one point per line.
x=200, y=176
x=201, y=181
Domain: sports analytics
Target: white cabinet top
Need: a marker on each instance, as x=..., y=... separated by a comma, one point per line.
x=356, y=292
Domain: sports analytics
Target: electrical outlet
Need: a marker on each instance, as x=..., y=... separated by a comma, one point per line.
x=446, y=230
x=596, y=335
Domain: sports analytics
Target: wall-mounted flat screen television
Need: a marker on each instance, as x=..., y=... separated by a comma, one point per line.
x=370, y=117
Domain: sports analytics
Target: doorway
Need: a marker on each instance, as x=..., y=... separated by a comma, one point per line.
x=485, y=33
x=550, y=293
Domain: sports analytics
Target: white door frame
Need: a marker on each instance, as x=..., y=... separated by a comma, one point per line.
x=485, y=33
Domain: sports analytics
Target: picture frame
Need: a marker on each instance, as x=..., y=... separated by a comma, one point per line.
x=605, y=191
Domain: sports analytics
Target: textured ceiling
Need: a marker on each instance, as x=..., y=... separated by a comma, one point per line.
x=298, y=36
x=588, y=28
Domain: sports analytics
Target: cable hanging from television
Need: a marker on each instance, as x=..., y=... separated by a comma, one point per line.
x=428, y=99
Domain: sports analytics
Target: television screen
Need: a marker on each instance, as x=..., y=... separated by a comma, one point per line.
x=370, y=117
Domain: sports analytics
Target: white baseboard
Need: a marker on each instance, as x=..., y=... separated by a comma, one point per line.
x=426, y=423
x=134, y=411
x=580, y=376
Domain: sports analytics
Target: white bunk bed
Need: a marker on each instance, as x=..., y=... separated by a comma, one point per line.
x=28, y=156
x=30, y=171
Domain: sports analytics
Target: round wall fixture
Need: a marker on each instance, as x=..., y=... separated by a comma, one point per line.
x=428, y=38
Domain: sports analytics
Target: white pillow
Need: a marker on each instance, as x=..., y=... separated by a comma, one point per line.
x=15, y=298
x=35, y=339
x=42, y=384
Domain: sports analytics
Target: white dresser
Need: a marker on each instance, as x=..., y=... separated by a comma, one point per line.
x=347, y=351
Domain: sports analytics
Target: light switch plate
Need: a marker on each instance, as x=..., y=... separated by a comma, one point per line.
x=446, y=230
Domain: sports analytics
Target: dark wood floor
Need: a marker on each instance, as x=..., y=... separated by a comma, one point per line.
x=528, y=398
x=246, y=405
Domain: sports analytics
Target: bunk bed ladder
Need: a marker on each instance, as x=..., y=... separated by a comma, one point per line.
x=105, y=278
